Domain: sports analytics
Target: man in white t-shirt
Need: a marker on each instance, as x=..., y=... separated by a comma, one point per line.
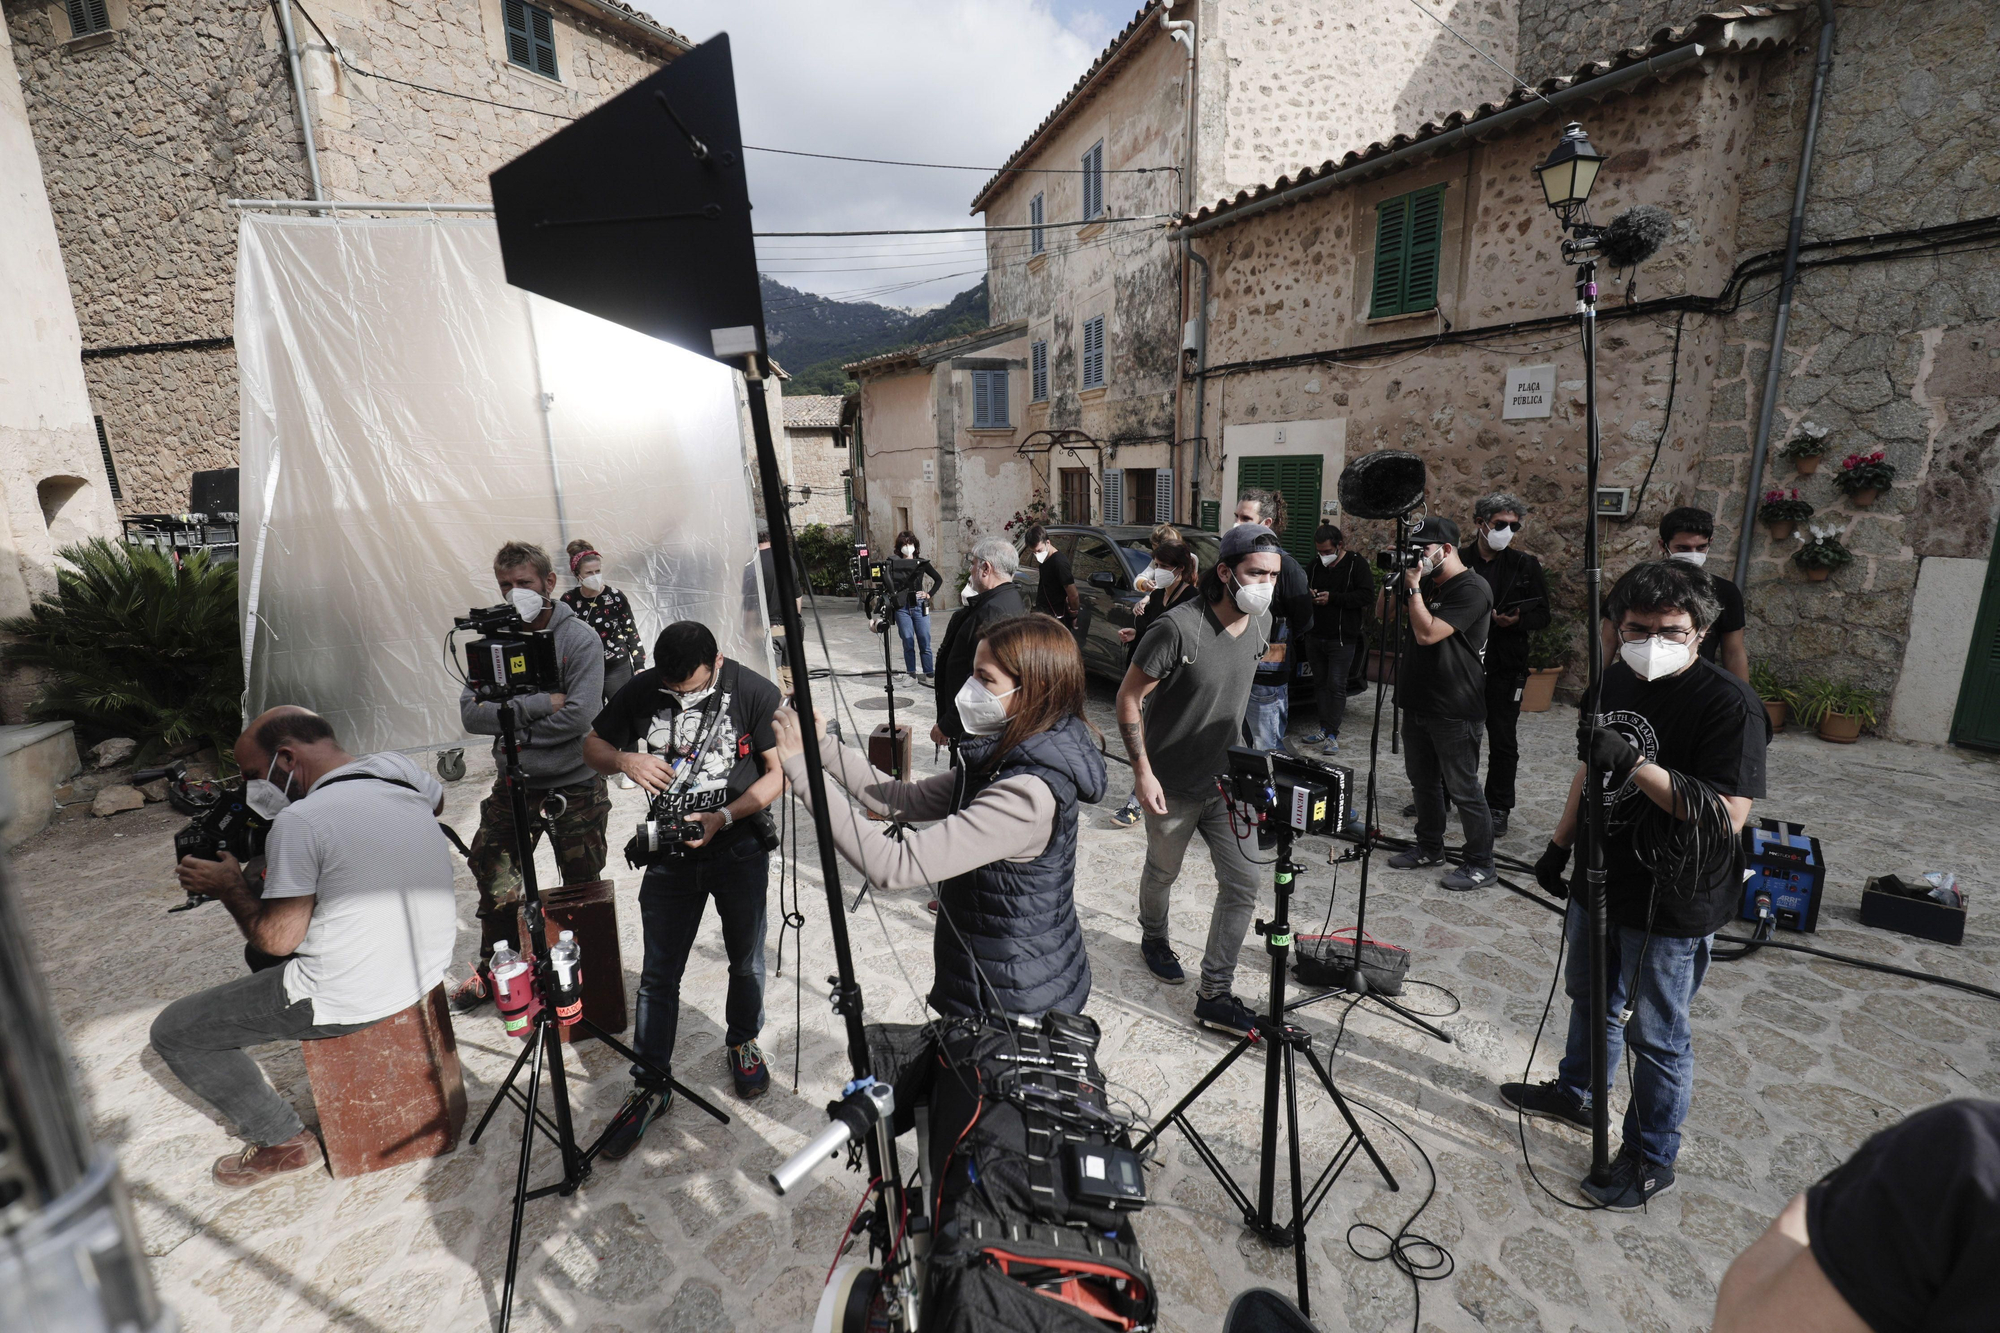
x=358, y=902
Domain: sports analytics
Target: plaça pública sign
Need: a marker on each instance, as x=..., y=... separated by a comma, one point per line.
x=1530, y=392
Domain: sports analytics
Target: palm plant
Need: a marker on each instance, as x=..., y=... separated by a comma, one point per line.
x=136, y=644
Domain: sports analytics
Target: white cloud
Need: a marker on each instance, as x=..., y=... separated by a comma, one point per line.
x=918, y=80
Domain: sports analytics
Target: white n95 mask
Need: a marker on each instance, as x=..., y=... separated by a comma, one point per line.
x=265, y=796
x=1254, y=598
x=593, y=583
x=527, y=603
x=1500, y=538
x=1695, y=558
x=980, y=710
x=1650, y=659
x=969, y=593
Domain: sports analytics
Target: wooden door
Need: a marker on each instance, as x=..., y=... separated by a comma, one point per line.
x=1977, y=721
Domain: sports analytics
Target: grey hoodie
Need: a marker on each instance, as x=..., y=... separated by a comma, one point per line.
x=552, y=738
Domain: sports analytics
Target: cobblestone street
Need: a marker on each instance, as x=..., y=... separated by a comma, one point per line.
x=1798, y=1060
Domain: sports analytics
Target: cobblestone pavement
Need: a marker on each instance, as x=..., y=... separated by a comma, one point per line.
x=1798, y=1060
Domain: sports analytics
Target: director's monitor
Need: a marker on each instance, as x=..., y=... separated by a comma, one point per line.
x=639, y=212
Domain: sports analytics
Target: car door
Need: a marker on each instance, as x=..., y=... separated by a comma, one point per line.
x=1106, y=595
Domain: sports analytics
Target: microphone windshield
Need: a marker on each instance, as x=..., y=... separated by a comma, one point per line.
x=1635, y=236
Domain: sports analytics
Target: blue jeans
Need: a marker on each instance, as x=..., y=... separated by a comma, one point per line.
x=1441, y=755
x=1659, y=984
x=672, y=898
x=1267, y=715
x=915, y=627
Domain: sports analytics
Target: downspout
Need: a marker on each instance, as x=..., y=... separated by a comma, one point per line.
x=1200, y=322
x=1182, y=31
x=1775, y=370
x=284, y=8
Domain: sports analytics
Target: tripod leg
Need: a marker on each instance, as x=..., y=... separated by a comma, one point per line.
x=1298, y=1203
x=679, y=1087
x=1194, y=1092
x=527, y=1049
x=1353, y=1125
x=575, y=1168
x=521, y=1188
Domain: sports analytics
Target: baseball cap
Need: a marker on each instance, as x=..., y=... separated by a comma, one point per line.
x=1242, y=539
x=1434, y=531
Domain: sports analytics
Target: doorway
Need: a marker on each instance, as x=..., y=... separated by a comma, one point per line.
x=1976, y=722
x=1297, y=478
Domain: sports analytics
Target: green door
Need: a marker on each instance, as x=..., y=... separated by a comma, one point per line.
x=1296, y=477
x=1977, y=722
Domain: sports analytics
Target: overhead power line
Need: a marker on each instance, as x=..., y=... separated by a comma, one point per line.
x=946, y=231
x=952, y=166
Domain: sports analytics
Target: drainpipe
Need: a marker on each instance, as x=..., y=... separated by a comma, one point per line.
x=1182, y=31
x=1200, y=322
x=1774, y=371
x=299, y=92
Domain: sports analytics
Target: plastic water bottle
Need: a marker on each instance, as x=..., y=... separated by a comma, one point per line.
x=513, y=989
x=566, y=961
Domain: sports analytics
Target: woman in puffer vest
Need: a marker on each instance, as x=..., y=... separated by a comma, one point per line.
x=1000, y=835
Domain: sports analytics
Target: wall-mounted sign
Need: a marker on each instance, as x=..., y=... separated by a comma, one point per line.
x=1530, y=392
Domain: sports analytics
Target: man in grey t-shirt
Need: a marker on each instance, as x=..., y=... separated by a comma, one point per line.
x=1192, y=675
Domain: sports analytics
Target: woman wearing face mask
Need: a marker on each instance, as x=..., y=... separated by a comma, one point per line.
x=606, y=610
x=912, y=601
x=1169, y=580
x=1003, y=848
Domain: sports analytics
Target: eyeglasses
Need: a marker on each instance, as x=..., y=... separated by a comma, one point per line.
x=1500, y=526
x=1672, y=634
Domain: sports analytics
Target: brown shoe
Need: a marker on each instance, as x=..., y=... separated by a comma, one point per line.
x=255, y=1165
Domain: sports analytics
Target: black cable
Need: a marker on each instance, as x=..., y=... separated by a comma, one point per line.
x=1406, y=1249
x=1666, y=421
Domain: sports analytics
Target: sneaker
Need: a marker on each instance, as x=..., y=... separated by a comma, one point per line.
x=640, y=1110
x=1415, y=859
x=931, y=907
x=747, y=1067
x=472, y=994
x=1500, y=822
x=1224, y=1013
x=1410, y=810
x=1633, y=1184
x=1331, y=747
x=255, y=1164
x=625, y=782
x=1314, y=738
x=1546, y=1101
x=1162, y=961
x=1128, y=815
x=1465, y=879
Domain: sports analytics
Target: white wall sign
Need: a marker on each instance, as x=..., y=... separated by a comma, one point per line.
x=1530, y=392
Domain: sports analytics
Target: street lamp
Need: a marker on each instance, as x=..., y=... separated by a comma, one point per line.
x=1566, y=179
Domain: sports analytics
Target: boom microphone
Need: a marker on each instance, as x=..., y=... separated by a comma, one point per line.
x=1635, y=236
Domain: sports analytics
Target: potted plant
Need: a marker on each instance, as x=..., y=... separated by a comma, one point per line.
x=1777, y=696
x=1783, y=511
x=1822, y=555
x=1805, y=447
x=1548, y=654
x=1862, y=477
x=1838, y=711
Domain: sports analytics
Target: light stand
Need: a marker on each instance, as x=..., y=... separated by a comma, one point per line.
x=885, y=611
x=1282, y=1043
x=545, y=1046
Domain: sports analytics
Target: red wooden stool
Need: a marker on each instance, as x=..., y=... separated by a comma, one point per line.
x=390, y=1093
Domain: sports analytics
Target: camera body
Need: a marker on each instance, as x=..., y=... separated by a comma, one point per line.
x=227, y=826
x=511, y=659
x=666, y=827
x=1396, y=559
x=866, y=569
x=1304, y=796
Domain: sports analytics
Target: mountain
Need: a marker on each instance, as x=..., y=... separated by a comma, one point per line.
x=812, y=336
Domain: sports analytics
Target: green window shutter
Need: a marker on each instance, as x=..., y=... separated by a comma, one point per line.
x=1211, y=516
x=520, y=50
x=1298, y=479
x=1392, y=226
x=1977, y=720
x=542, y=26
x=1426, y=245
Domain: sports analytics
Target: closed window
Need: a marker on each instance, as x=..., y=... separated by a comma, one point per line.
x=531, y=37
x=847, y=496
x=1035, y=222
x=1409, y=237
x=1093, y=353
x=1093, y=180
x=1038, y=371
x=989, y=399
x=87, y=17
x=1075, y=495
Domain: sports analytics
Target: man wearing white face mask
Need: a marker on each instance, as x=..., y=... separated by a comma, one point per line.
x=1520, y=607
x=1678, y=731
x=1685, y=535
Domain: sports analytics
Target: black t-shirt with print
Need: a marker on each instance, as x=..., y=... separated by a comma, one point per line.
x=1703, y=723
x=1052, y=592
x=1448, y=679
x=734, y=757
x=1731, y=619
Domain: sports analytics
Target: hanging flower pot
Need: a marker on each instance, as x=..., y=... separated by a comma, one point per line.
x=1822, y=555
x=1806, y=464
x=1865, y=497
x=1783, y=512
x=1818, y=573
x=1783, y=529
x=1805, y=448
x=1862, y=477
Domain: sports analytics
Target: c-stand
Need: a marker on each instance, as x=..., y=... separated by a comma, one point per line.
x=545, y=1045
x=886, y=605
x=1282, y=1042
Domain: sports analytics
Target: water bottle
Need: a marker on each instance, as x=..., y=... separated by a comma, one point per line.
x=566, y=963
x=513, y=990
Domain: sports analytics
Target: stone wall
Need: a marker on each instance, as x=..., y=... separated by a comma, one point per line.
x=1557, y=36
x=147, y=131
x=817, y=461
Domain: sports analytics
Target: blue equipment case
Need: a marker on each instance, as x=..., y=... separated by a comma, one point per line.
x=1780, y=859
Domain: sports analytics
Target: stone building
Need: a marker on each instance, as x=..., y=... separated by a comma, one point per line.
x=151, y=123
x=1322, y=349
x=815, y=460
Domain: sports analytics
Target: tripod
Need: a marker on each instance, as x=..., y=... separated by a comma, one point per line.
x=886, y=606
x=545, y=1046
x=1283, y=1043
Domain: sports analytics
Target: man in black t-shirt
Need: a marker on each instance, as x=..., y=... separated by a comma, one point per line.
x=1520, y=607
x=1441, y=688
x=708, y=723
x=1900, y=1238
x=1685, y=535
x=1681, y=757
x=1055, y=592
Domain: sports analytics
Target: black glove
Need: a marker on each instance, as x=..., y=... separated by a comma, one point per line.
x=1610, y=752
x=1549, y=871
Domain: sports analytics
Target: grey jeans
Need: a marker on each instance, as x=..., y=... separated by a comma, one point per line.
x=1236, y=876
x=202, y=1036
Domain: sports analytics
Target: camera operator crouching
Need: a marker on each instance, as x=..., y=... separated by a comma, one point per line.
x=550, y=728
x=712, y=772
x=357, y=903
x=1682, y=758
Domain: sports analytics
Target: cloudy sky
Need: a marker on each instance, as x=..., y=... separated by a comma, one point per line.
x=949, y=81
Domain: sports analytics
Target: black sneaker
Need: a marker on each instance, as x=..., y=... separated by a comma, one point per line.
x=1500, y=822
x=1467, y=878
x=471, y=995
x=1410, y=810
x=1633, y=1184
x=747, y=1067
x=638, y=1113
x=1224, y=1013
x=1415, y=859
x=1162, y=961
x=1549, y=1101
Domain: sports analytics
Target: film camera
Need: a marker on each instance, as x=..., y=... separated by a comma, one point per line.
x=510, y=659
x=1396, y=559
x=666, y=825
x=226, y=825
x=867, y=568
x=1302, y=796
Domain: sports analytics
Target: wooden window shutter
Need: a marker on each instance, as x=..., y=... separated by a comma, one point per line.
x=1163, y=495
x=1392, y=223
x=1114, y=495
x=1035, y=219
x=543, y=27
x=1093, y=352
x=87, y=16
x=1038, y=371
x=520, y=50
x=110, y=467
x=1426, y=244
x=982, y=401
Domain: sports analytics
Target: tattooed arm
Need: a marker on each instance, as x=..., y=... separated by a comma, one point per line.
x=1132, y=692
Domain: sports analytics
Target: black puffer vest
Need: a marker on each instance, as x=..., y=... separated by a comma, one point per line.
x=1018, y=918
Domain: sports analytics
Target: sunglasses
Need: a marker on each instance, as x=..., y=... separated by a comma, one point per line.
x=1515, y=526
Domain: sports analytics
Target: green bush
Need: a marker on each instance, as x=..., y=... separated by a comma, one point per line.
x=828, y=556
x=135, y=644
x=1551, y=645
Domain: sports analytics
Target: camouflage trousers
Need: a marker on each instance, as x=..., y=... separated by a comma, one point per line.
x=578, y=836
